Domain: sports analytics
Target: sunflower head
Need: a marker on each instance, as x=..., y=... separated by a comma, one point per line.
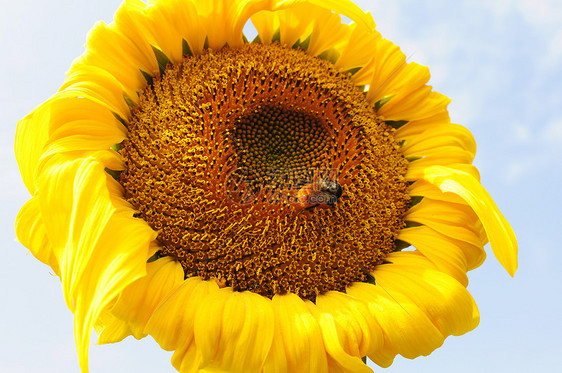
x=249, y=204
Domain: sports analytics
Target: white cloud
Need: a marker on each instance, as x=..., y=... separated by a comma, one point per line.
x=540, y=13
x=534, y=150
x=552, y=133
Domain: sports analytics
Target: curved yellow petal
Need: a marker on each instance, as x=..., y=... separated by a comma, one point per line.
x=437, y=136
x=444, y=156
x=419, y=126
x=84, y=128
x=300, y=19
x=416, y=170
x=31, y=233
x=139, y=300
x=407, y=329
x=445, y=301
x=172, y=323
x=393, y=76
x=423, y=188
x=94, y=82
x=443, y=253
x=32, y=133
x=328, y=33
x=187, y=358
x=359, y=332
x=239, y=335
x=297, y=343
x=420, y=104
x=501, y=235
x=110, y=329
x=121, y=55
x=339, y=360
x=100, y=249
x=452, y=220
x=343, y=7
x=292, y=24
x=359, y=49
x=474, y=254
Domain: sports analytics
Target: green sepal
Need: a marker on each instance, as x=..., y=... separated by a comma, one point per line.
x=302, y=44
x=121, y=120
x=415, y=200
x=354, y=71
x=396, y=123
x=331, y=55
x=245, y=39
x=114, y=174
x=412, y=224
x=149, y=79
x=206, y=44
x=364, y=359
x=117, y=147
x=185, y=49
x=412, y=159
x=163, y=60
x=296, y=45
x=154, y=257
x=128, y=100
x=401, y=245
x=380, y=103
x=257, y=40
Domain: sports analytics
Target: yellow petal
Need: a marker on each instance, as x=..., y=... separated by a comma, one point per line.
x=83, y=127
x=94, y=82
x=339, y=360
x=292, y=24
x=139, y=300
x=32, y=133
x=438, y=136
x=110, y=329
x=414, y=104
x=419, y=126
x=266, y=23
x=452, y=220
x=172, y=323
x=295, y=20
x=187, y=359
x=327, y=33
x=359, y=49
x=443, y=253
x=407, y=329
x=100, y=250
x=501, y=235
x=297, y=344
x=30, y=230
x=424, y=189
x=122, y=52
x=446, y=302
x=234, y=331
x=474, y=254
x=359, y=332
x=416, y=171
x=343, y=7
x=446, y=156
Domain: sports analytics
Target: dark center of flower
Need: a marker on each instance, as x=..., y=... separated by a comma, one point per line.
x=264, y=168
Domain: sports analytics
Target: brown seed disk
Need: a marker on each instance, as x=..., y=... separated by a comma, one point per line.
x=218, y=149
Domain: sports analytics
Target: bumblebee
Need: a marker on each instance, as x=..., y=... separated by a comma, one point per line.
x=322, y=193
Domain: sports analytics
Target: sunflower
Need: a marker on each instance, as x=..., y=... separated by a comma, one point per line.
x=290, y=204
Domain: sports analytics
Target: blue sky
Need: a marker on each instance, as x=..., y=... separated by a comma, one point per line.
x=500, y=62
